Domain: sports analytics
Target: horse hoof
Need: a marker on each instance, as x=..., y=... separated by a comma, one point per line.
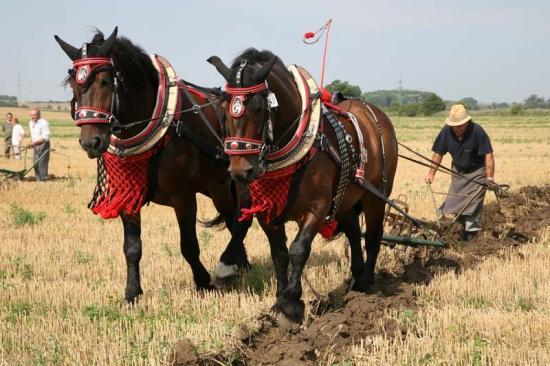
x=361, y=287
x=293, y=310
x=225, y=283
x=245, y=266
x=222, y=270
x=207, y=287
x=132, y=298
x=225, y=275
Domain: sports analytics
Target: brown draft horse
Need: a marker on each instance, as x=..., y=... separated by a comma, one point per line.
x=318, y=184
x=182, y=168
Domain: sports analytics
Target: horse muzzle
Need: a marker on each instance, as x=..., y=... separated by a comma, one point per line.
x=94, y=146
x=242, y=171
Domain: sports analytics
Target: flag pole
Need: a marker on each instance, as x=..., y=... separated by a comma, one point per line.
x=325, y=53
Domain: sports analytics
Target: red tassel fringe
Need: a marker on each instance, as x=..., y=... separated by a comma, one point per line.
x=328, y=228
x=126, y=187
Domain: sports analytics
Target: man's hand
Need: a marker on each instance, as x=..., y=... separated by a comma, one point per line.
x=429, y=178
x=491, y=184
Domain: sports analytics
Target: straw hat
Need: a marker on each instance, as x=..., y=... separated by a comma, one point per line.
x=458, y=115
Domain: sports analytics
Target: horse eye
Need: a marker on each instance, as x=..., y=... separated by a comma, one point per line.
x=105, y=82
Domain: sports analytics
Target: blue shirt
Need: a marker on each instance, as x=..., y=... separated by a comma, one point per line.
x=469, y=152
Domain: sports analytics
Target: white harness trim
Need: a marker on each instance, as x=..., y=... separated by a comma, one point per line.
x=167, y=100
x=308, y=138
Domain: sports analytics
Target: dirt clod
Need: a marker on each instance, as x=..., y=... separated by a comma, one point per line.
x=183, y=353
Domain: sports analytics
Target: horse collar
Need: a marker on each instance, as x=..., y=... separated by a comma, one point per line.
x=303, y=138
x=168, y=102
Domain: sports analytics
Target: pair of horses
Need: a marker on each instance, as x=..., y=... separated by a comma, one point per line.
x=184, y=169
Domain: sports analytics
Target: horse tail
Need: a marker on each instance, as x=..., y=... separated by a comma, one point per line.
x=217, y=222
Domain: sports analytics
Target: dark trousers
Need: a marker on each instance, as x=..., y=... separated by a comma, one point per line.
x=7, y=148
x=41, y=169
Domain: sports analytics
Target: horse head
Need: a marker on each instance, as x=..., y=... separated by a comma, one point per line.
x=92, y=79
x=114, y=82
x=253, y=87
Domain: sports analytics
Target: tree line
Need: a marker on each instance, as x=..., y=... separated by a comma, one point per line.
x=414, y=102
x=8, y=101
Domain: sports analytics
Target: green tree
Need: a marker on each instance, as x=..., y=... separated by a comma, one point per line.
x=534, y=101
x=410, y=110
x=516, y=109
x=346, y=88
x=432, y=104
x=470, y=103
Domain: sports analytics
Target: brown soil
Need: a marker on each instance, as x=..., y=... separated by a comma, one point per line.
x=347, y=317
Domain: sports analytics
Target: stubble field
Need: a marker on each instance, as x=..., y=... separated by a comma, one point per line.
x=62, y=275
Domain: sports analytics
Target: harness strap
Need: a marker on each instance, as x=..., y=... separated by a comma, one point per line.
x=84, y=115
x=323, y=144
x=242, y=146
x=360, y=171
x=381, y=138
x=214, y=152
x=200, y=112
x=346, y=168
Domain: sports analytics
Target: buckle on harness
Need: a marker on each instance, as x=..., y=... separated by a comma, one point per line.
x=116, y=128
x=321, y=141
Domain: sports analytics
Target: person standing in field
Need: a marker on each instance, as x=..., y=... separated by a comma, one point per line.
x=7, y=127
x=472, y=157
x=17, y=138
x=40, y=143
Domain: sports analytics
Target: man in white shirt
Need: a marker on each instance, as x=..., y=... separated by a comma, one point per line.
x=40, y=143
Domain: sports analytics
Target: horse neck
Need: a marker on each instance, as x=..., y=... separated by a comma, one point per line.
x=137, y=104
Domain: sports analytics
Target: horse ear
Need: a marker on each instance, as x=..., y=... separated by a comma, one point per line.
x=71, y=51
x=261, y=74
x=107, y=46
x=220, y=66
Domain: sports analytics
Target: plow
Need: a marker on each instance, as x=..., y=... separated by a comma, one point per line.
x=20, y=174
x=403, y=229
x=400, y=229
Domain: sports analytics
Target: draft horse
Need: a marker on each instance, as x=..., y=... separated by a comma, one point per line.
x=262, y=120
x=116, y=87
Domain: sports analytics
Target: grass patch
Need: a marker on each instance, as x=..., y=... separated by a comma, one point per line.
x=20, y=216
x=22, y=268
x=82, y=257
x=525, y=304
x=205, y=237
x=480, y=345
x=475, y=302
x=95, y=312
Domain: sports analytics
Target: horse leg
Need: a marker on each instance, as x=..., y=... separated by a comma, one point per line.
x=186, y=213
x=290, y=303
x=350, y=227
x=279, y=255
x=234, y=256
x=132, y=252
x=374, y=218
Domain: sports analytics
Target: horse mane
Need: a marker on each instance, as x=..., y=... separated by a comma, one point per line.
x=254, y=55
x=130, y=59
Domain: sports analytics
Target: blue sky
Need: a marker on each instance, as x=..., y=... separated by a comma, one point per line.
x=490, y=50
